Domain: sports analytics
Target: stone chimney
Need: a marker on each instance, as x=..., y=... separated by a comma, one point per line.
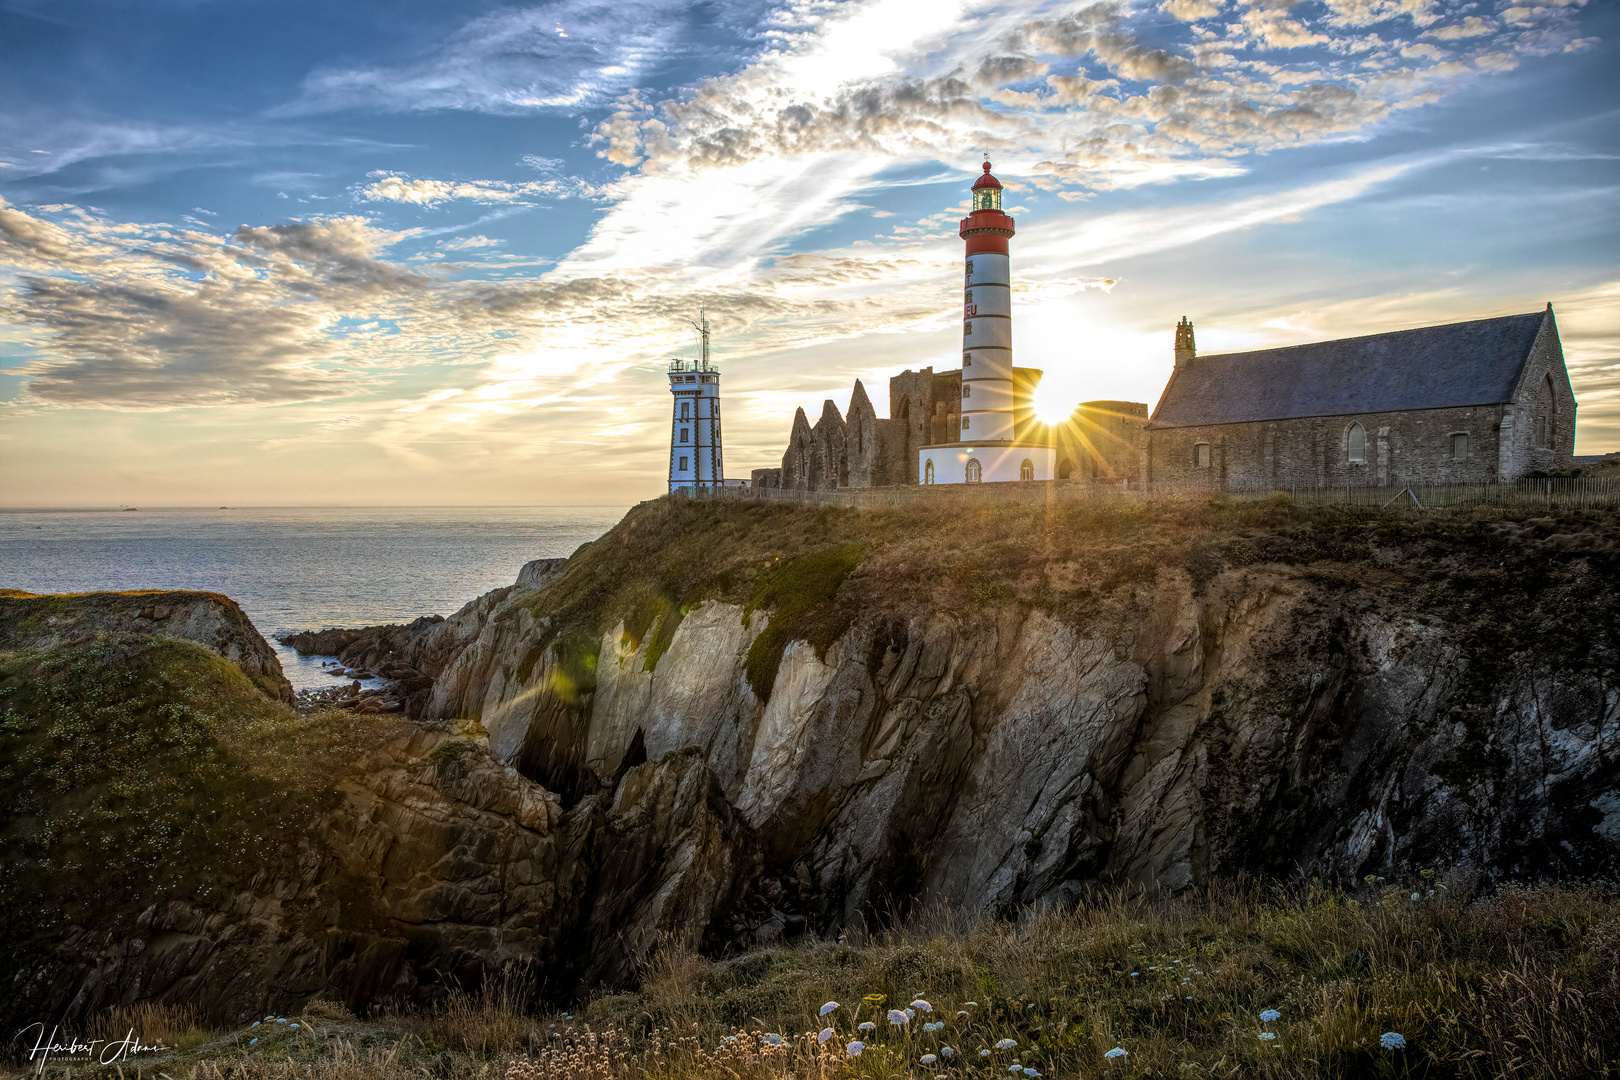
x=1186, y=351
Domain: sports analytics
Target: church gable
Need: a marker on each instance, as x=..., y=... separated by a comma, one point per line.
x=1433, y=367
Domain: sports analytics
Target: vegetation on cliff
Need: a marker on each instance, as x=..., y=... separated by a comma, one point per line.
x=820, y=568
x=1241, y=981
x=142, y=767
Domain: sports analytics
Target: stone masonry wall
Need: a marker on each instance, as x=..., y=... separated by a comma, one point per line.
x=1410, y=447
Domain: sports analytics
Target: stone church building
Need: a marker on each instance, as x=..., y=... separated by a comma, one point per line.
x=1467, y=403
x=1471, y=402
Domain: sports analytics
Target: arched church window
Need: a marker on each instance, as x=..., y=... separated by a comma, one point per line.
x=1065, y=469
x=975, y=471
x=1201, y=456
x=928, y=472
x=1026, y=471
x=1355, y=443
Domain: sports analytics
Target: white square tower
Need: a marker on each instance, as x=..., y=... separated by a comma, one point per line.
x=696, y=459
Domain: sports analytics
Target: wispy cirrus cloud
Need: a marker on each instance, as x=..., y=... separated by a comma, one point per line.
x=549, y=57
x=392, y=187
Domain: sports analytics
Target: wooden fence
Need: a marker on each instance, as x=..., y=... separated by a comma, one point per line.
x=1560, y=492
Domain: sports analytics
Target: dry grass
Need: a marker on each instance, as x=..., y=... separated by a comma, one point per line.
x=1521, y=984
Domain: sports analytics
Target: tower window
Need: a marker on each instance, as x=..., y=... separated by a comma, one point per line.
x=964, y=423
x=1459, y=446
x=686, y=410
x=967, y=391
x=683, y=465
x=683, y=434
x=987, y=198
x=975, y=471
x=1201, y=456
x=1355, y=444
x=1026, y=471
x=967, y=359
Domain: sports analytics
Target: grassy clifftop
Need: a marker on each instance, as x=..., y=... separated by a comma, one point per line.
x=820, y=568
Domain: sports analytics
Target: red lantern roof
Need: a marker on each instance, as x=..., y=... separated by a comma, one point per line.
x=986, y=181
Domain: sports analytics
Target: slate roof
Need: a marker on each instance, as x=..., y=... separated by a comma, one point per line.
x=1433, y=367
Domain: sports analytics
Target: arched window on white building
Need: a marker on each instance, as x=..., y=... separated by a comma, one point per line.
x=975, y=471
x=1355, y=445
x=1026, y=471
x=928, y=472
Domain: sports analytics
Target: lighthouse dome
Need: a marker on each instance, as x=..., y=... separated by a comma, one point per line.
x=987, y=181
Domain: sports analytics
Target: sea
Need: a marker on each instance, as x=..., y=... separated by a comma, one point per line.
x=296, y=568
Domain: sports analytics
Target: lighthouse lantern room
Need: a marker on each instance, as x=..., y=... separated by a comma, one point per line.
x=695, y=456
x=986, y=449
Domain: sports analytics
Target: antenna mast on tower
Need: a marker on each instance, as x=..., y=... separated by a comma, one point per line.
x=703, y=329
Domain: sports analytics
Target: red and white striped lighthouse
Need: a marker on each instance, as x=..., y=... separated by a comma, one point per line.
x=986, y=450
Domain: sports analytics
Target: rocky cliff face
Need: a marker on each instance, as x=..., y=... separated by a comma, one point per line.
x=213, y=621
x=701, y=726
x=1329, y=716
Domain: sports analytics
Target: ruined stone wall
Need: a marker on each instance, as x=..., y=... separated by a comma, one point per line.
x=1102, y=441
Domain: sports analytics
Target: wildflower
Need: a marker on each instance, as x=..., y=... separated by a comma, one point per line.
x=934, y=1026
x=294, y=1025
x=922, y=1005
x=254, y=1024
x=947, y=1052
x=910, y=1013
x=971, y=1004
x=896, y=1017
x=866, y=1025
x=928, y=1059
x=1015, y=1068
x=854, y=1049
x=1269, y=1015
x=1116, y=1052
x=1426, y=873
x=252, y=1041
x=1006, y=1044
x=771, y=1040
x=1390, y=1040
x=961, y=1012
x=1268, y=1035
x=826, y=1033
x=1134, y=974
x=829, y=1007
x=1414, y=896
x=984, y=1053
x=272, y=1016
x=1030, y=1072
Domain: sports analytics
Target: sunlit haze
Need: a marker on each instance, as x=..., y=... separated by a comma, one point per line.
x=424, y=253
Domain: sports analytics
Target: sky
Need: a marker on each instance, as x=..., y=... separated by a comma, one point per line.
x=295, y=252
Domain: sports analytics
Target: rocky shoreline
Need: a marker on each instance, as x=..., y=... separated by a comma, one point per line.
x=408, y=657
